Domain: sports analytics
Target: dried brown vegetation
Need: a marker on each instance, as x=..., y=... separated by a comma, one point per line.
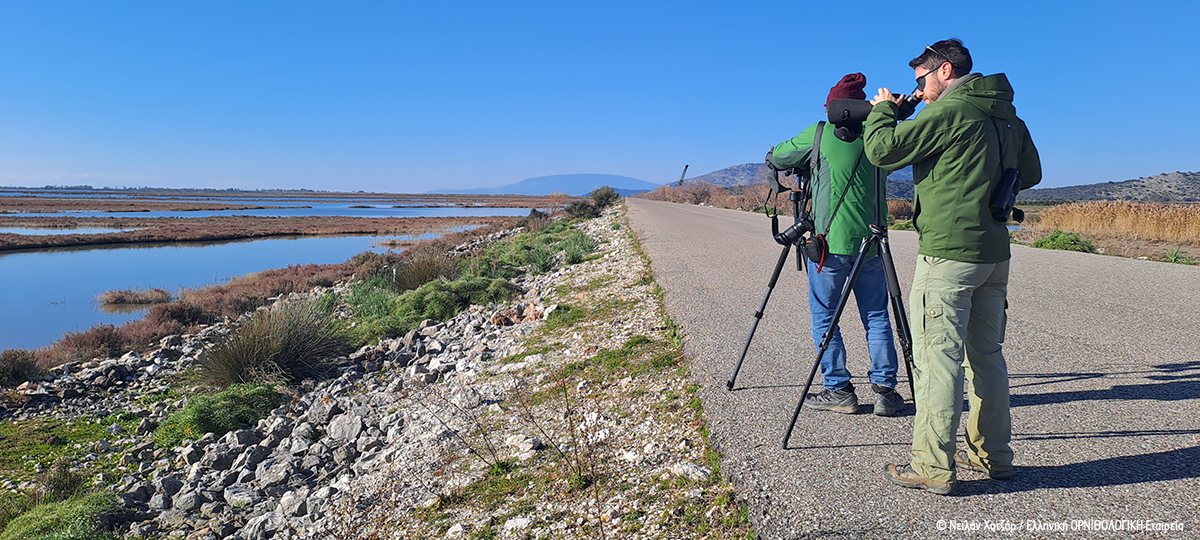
x=132, y=297
x=1155, y=222
x=747, y=197
x=221, y=228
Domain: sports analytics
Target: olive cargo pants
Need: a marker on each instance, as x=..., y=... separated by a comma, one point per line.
x=958, y=320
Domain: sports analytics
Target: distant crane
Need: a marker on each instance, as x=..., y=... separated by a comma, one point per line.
x=681, y=176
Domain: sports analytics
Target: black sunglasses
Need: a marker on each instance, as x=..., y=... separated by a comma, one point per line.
x=921, y=80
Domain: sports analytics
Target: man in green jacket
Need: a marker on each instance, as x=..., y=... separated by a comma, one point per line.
x=844, y=204
x=958, y=146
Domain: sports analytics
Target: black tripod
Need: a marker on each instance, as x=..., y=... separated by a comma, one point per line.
x=878, y=239
x=801, y=224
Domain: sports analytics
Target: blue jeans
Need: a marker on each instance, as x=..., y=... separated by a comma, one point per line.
x=870, y=293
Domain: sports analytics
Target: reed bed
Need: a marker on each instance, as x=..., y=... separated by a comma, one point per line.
x=1125, y=220
x=135, y=297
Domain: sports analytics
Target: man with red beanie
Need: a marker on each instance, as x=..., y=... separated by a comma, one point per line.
x=843, y=205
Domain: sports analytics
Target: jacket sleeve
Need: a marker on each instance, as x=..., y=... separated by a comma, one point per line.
x=794, y=151
x=890, y=145
x=1030, y=164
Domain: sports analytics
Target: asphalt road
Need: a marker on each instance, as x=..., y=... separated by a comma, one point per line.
x=1105, y=374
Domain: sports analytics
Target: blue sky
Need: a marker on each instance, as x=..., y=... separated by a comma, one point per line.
x=413, y=96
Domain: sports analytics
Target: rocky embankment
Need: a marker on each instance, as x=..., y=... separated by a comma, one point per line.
x=505, y=421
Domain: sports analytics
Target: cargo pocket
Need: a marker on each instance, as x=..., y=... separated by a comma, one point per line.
x=934, y=322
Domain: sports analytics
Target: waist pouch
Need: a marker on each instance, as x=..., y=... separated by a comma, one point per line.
x=815, y=247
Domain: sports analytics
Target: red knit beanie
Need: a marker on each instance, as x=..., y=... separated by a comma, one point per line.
x=850, y=87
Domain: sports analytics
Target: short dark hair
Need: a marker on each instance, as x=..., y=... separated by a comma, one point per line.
x=948, y=50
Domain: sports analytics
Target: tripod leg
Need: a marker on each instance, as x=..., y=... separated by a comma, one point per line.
x=828, y=337
x=783, y=255
x=902, y=327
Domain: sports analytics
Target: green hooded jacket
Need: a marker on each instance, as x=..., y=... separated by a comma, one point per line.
x=836, y=167
x=954, y=146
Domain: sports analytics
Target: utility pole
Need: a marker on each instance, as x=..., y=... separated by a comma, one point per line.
x=680, y=184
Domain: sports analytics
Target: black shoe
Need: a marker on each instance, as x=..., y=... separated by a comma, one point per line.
x=842, y=400
x=888, y=402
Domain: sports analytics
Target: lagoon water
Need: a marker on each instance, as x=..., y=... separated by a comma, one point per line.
x=305, y=209
x=47, y=293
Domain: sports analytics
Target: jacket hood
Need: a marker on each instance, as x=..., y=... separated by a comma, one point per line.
x=991, y=94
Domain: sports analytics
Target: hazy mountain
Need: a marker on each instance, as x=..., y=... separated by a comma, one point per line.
x=1166, y=187
x=571, y=184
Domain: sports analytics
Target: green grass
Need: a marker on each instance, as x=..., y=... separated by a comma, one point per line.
x=236, y=407
x=535, y=250
x=1176, y=256
x=72, y=519
x=1065, y=241
x=379, y=312
x=47, y=440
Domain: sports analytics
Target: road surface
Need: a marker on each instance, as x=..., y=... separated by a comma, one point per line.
x=1104, y=360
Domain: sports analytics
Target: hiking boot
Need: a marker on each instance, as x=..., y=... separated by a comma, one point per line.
x=842, y=400
x=904, y=475
x=963, y=460
x=888, y=401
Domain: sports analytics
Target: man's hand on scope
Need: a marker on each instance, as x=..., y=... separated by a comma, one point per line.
x=886, y=95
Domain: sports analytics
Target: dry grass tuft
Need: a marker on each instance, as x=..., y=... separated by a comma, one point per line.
x=132, y=296
x=1125, y=220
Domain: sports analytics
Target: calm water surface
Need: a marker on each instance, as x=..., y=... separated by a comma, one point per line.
x=305, y=209
x=47, y=293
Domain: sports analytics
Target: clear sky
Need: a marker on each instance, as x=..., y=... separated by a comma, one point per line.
x=412, y=96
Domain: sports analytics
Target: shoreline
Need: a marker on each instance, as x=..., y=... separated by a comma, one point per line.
x=577, y=386
x=220, y=229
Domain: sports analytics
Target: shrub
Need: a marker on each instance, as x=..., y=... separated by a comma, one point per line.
x=1065, y=241
x=290, y=342
x=380, y=312
x=535, y=221
x=17, y=366
x=582, y=209
x=235, y=408
x=99, y=341
x=899, y=209
x=74, y=519
x=605, y=196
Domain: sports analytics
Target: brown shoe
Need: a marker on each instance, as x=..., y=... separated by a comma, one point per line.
x=904, y=475
x=964, y=462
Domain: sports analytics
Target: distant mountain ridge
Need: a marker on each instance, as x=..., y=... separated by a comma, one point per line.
x=1166, y=187
x=571, y=184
